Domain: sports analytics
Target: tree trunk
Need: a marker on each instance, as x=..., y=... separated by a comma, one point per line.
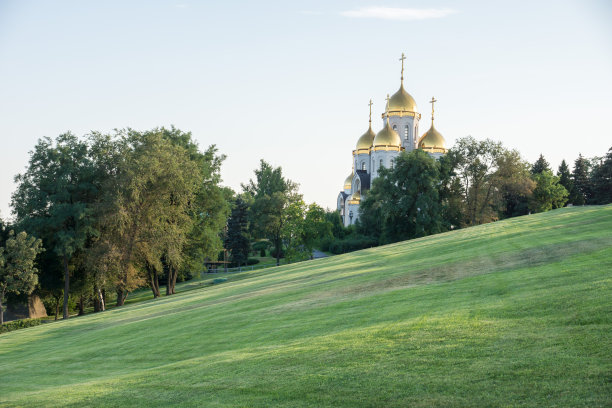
x=121, y=296
x=154, y=283
x=96, y=300
x=1, y=309
x=81, y=305
x=174, y=275
x=57, y=303
x=102, y=294
x=171, y=281
x=66, y=287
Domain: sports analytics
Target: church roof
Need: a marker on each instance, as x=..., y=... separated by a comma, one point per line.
x=365, y=141
x=387, y=137
x=432, y=139
x=402, y=101
x=364, y=177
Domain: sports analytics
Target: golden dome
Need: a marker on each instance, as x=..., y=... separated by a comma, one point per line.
x=365, y=141
x=348, y=182
x=387, y=137
x=355, y=197
x=432, y=139
x=401, y=101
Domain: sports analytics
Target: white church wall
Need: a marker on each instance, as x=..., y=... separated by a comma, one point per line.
x=386, y=156
x=399, y=124
x=362, y=158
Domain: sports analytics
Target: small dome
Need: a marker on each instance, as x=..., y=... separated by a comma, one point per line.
x=401, y=101
x=387, y=137
x=432, y=139
x=365, y=141
x=356, y=196
x=348, y=182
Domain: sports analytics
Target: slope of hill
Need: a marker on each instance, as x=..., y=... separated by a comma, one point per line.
x=513, y=313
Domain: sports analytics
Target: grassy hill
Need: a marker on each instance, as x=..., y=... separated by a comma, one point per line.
x=514, y=313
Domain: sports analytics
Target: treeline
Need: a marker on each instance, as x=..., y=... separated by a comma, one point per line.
x=100, y=216
x=476, y=182
x=119, y=211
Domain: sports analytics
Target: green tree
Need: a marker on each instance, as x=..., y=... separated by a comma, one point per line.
x=54, y=199
x=237, y=238
x=548, y=193
x=210, y=206
x=451, y=193
x=476, y=165
x=17, y=271
x=514, y=185
x=581, y=181
x=272, y=195
x=565, y=178
x=407, y=197
x=540, y=165
x=293, y=230
x=316, y=227
x=146, y=209
x=601, y=180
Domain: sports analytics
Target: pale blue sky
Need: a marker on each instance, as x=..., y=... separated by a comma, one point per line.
x=289, y=82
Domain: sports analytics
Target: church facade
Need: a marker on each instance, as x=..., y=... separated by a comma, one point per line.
x=376, y=150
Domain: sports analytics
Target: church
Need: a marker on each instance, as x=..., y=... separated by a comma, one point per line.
x=375, y=150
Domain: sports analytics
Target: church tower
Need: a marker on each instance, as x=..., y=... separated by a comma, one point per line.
x=403, y=115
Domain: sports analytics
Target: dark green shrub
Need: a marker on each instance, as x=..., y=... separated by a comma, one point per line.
x=259, y=245
x=19, y=324
x=252, y=261
x=352, y=243
x=262, y=252
x=273, y=253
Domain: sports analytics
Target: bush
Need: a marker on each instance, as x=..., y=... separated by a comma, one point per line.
x=273, y=253
x=352, y=243
x=252, y=261
x=259, y=245
x=325, y=244
x=19, y=324
x=262, y=253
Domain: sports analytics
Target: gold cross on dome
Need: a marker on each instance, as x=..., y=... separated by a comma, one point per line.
x=402, y=59
x=370, y=104
x=433, y=100
x=387, y=108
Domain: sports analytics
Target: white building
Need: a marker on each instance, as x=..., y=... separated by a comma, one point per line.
x=375, y=150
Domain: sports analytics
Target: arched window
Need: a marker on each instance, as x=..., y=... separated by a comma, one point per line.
x=363, y=166
x=395, y=127
x=380, y=164
x=406, y=132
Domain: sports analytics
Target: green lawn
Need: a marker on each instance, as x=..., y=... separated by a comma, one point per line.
x=513, y=313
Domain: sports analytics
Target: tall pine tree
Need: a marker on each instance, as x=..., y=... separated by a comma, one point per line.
x=601, y=178
x=565, y=178
x=581, y=180
x=540, y=165
x=237, y=240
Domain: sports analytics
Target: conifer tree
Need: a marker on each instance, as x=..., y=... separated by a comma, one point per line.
x=540, y=165
x=237, y=240
x=582, y=183
x=601, y=178
x=565, y=178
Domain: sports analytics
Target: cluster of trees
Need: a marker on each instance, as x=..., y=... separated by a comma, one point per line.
x=119, y=211
x=475, y=182
x=270, y=208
